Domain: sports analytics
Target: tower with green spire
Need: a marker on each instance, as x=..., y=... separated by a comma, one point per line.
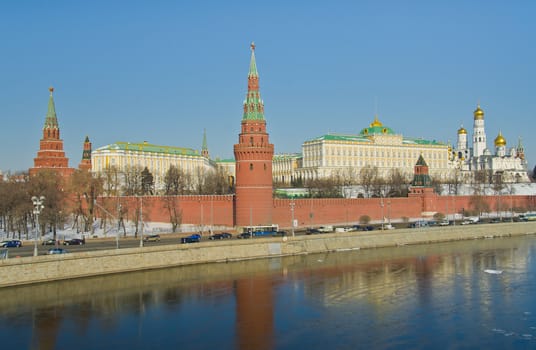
x=85, y=164
x=204, y=147
x=253, y=156
x=51, y=155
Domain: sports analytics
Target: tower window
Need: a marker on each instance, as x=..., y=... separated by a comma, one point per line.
x=250, y=166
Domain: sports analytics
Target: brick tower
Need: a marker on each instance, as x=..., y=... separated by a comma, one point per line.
x=85, y=163
x=204, y=147
x=421, y=187
x=51, y=155
x=253, y=155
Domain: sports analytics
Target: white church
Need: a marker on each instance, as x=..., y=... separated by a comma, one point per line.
x=508, y=163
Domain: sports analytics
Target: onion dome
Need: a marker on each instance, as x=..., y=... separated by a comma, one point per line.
x=462, y=130
x=377, y=128
x=478, y=113
x=500, y=140
x=376, y=122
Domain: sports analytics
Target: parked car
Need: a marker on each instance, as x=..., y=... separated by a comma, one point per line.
x=50, y=241
x=195, y=238
x=151, y=238
x=74, y=241
x=312, y=231
x=244, y=235
x=222, y=235
x=13, y=243
x=54, y=251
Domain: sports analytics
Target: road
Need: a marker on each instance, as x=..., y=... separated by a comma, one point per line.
x=91, y=244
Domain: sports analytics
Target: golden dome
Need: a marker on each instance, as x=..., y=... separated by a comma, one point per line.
x=376, y=122
x=462, y=130
x=478, y=113
x=500, y=140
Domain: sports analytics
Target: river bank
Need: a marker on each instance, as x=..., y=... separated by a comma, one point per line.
x=29, y=270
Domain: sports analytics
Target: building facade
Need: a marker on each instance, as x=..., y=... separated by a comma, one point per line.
x=376, y=146
x=125, y=156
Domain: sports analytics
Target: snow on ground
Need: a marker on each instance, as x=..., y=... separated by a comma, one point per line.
x=69, y=232
x=521, y=189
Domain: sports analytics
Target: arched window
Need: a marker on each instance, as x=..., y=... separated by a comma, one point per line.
x=250, y=166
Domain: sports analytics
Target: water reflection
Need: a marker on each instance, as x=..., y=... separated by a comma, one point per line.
x=264, y=304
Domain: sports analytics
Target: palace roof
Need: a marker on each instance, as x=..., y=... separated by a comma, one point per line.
x=147, y=147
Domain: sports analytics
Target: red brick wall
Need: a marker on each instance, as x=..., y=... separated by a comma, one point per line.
x=219, y=210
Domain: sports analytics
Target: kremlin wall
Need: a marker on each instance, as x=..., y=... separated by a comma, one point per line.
x=218, y=211
x=253, y=202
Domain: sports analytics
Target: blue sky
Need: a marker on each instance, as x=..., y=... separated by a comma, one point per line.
x=162, y=71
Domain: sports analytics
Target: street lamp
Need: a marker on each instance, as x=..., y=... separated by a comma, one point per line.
x=389, y=213
x=141, y=218
x=38, y=207
x=381, y=205
x=113, y=217
x=292, y=204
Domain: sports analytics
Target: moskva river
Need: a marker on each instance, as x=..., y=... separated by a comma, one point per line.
x=461, y=295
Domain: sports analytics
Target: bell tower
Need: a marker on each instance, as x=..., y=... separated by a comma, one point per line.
x=253, y=154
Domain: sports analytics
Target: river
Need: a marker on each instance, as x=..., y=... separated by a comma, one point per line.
x=466, y=294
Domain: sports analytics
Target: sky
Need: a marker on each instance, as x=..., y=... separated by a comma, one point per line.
x=163, y=71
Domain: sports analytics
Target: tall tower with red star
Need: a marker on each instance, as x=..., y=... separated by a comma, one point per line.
x=253, y=155
x=51, y=155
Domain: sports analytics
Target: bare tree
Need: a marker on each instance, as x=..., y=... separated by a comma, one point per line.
x=175, y=214
x=15, y=207
x=51, y=185
x=132, y=176
x=479, y=204
x=368, y=178
x=324, y=188
x=397, y=183
x=112, y=181
x=85, y=187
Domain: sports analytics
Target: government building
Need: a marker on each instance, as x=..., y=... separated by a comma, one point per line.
x=376, y=146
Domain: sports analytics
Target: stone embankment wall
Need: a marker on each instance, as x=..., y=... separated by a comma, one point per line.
x=58, y=267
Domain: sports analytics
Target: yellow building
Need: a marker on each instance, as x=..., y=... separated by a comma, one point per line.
x=157, y=159
x=375, y=146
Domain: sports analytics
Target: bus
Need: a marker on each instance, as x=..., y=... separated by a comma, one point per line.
x=527, y=217
x=262, y=230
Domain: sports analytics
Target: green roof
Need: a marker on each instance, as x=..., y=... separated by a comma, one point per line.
x=419, y=141
x=51, y=121
x=147, y=147
x=377, y=130
x=287, y=156
x=253, y=105
x=228, y=160
x=421, y=161
x=362, y=138
x=341, y=137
